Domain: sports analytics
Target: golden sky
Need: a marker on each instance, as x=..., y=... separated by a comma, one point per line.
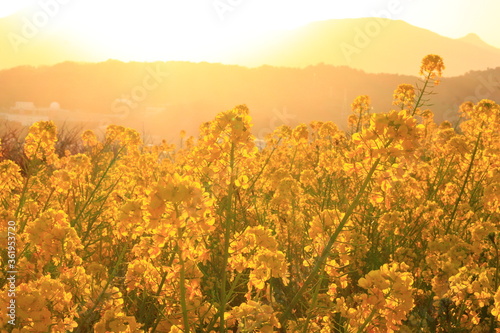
x=202, y=30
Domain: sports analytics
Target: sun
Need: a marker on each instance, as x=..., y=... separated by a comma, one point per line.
x=196, y=31
x=11, y=7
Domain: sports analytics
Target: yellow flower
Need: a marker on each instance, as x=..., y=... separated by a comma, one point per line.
x=242, y=181
x=142, y=275
x=115, y=320
x=308, y=178
x=10, y=177
x=254, y=316
x=404, y=96
x=89, y=138
x=432, y=67
x=45, y=303
x=360, y=113
x=361, y=105
x=40, y=141
x=53, y=237
x=300, y=133
x=496, y=309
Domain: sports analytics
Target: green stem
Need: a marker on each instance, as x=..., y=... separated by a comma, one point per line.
x=368, y=320
x=94, y=191
x=110, y=278
x=91, y=222
x=160, y=287
x=313, y=303
x=328, y=247
x=254, y=180
x=227, y=235
x=417, y=104
x=493, y=321
x=230, y=292
x=462, y=190
x=22, y=200
x=293, y=158
x=183, y=291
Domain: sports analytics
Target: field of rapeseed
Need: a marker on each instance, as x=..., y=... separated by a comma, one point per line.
x=390, y=226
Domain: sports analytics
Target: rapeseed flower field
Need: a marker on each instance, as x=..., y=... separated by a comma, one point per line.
x=392, y=225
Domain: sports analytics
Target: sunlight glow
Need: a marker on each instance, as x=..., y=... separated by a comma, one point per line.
x=8, y=8
x=207, y=31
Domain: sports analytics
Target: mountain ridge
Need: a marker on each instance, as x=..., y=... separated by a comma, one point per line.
x=375, y=45
x=163, y=97
x=474, y=39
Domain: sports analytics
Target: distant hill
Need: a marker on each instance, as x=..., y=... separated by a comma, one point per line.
x=164, y=97
x=374, y=45
x=475, y=40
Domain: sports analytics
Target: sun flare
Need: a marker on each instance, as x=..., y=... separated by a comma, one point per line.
x=208, y=31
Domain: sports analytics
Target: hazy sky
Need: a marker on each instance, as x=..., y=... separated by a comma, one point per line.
x=195, y=30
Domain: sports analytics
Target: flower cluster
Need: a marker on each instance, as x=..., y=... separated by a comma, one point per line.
x=389, y=226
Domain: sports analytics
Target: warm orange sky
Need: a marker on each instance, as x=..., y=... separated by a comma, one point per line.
x=197, y=30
